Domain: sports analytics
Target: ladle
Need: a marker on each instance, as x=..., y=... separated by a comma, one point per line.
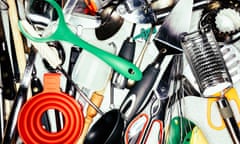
x=62, y=32
x=54, y=61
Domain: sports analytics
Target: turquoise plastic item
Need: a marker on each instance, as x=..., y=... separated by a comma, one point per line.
x=144, y=33
x=63, y=33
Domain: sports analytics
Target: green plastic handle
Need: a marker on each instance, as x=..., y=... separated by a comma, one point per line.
x=187, y=138
x=178, y=129
x=63, y=33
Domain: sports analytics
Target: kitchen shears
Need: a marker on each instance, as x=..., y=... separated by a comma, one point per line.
x=147, y=123
x=231, y=95
x=151, y=120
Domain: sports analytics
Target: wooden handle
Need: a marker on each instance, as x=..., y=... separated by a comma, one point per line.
x=97, y=99
x=17, y=37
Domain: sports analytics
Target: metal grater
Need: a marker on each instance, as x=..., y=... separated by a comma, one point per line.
x=206, y=61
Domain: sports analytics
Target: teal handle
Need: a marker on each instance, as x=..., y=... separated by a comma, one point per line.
x=144, y=33
x=63, y=33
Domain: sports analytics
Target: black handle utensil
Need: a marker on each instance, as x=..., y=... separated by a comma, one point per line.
x=167, y=41
x=127, y=52
x=20, y=99
x=138, y=96
x=140, y=57
x=2, y=110
x=229, y=119
x=36, y=87
x=9, y=91
x=155, y=110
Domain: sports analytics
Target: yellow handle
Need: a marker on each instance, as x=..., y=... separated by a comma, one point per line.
x=97, y=99
x=231, y=94
x=198, y=136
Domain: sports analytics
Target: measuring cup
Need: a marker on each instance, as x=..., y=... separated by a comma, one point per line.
x=62, y=32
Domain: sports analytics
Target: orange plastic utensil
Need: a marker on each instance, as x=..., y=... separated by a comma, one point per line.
x=29, y=120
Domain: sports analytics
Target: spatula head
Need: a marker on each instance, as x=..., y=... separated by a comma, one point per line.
x=176, y=23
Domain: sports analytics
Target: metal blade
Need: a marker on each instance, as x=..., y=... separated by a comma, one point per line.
x=176, y=23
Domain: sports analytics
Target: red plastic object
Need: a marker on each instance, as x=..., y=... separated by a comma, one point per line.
x=29, y=120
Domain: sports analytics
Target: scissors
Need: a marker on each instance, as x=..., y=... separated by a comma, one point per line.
x=143, y=125
x=146, y=123
x=231, y=95
x=63, y=33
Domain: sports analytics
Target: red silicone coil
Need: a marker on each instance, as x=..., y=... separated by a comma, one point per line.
x=29, y=121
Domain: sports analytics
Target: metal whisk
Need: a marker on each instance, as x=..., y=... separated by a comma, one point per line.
x=206, y=61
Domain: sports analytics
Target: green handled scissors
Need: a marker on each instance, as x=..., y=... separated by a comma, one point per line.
x=63, y=33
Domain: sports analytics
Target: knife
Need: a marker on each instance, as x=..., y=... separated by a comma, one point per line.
x=8, y=90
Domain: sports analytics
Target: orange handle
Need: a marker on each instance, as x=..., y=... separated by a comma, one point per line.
x=91, y=5
x=51, y=82
x=231, y=94
x=97, y=99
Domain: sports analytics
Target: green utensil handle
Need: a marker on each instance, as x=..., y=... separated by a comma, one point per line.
x=63, y=33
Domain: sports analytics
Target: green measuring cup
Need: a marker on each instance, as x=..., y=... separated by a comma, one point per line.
x=63, y=33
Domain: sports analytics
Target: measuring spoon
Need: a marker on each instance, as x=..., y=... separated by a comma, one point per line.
x=62, y=32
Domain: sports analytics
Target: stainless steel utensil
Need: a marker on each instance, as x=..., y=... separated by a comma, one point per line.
x=20, y=99
x=206, y=61
x=208, y=66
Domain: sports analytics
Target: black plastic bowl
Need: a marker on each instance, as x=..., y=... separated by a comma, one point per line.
x=107, y=130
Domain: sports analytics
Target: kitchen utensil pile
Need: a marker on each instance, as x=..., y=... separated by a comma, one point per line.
x=120, y=72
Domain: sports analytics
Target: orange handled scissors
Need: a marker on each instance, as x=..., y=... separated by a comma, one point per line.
x=146, y=125
x=230, y=94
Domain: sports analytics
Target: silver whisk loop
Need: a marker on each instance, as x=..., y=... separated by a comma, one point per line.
x=206, y=61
